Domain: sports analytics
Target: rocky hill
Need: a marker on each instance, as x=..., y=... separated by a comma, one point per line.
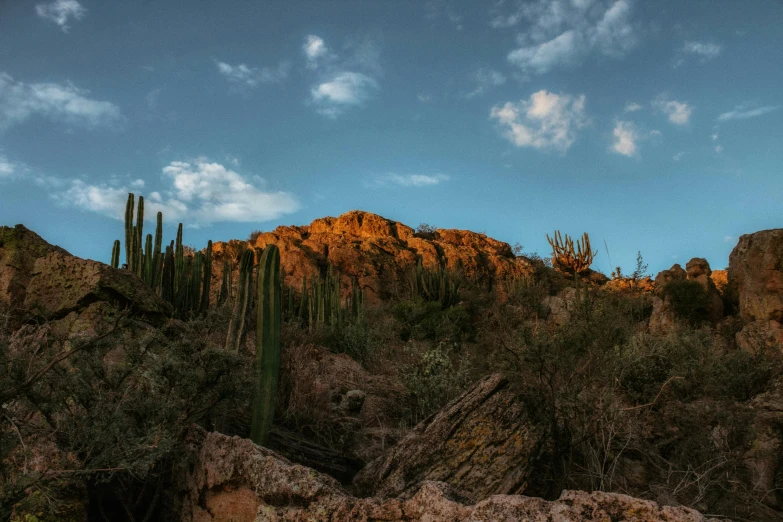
x=607, y=400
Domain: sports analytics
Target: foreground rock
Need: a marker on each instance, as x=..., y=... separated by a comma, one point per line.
x=482, y=443
x=42, y=281
x=231, y=479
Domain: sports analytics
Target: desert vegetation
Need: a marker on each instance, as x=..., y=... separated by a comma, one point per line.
x=98, y=402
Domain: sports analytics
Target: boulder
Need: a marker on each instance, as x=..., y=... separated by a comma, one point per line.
x=19, y=249
x=756, y=276
x=696, y=270
x=61, y=283
x=481, y=443
x=231, y=479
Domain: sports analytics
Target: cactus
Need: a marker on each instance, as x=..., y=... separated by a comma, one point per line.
x=147, y=264
x=436, y=284
x=157, y=255
x=168, y=276
x=179, y=261
x=565, y=257
x=267, y=345
x=207, y=279
x=115, y=254
x=227, y=284
x=236, y=327
x=129, y=207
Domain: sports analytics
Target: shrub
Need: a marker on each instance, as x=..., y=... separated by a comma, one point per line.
x=689, y=300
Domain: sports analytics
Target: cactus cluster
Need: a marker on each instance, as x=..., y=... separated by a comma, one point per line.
x=242, y=299
x=181, y=280
x=321, y=303
x=568, y=258
x=434, y=284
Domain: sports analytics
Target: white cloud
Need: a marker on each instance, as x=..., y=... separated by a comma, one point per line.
x=60, y=11
x=410, y=180
x=655, y=132
x=6, y=167
x=253, y=76
x=545, y=121
x=342, y=83
x=714, y=136
x=486, y=79
x=719, y=148
x=565, y=32
x=742, y=112
x=19, y=101
x=315, y=51
x=199, y=193
x=424, y=97
x=706, y=50
x=678, y=156
x=343, y=90
x=633, y=107
x=625, y=138
x=679, y=113
x=728, y=239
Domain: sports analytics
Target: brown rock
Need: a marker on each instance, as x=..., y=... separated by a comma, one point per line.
x=481, y=443
x=61, y=283
x=377, y=251
x=756, y=275
x=231, y=479
x=697, y=270
x=19, y=249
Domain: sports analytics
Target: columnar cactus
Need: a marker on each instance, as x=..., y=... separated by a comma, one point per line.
x=236, y=327
x=115, y=254
x=267, y=345
x=207, y=279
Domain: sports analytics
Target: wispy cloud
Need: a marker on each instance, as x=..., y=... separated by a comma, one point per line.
x=485, y=79
x=545, y=121
x=60, y=11
x=705, y=50
x=253, y=76
x=409, y=180
x=344, y=82
x=679, y=113
x=435, y=9
x=633, y=107
x=19, y=101
x=678, y=156
x=199, y=192
x=565, y=32
x=743, y=112
x=625, y=138
x=719, y=148
x=7, y=168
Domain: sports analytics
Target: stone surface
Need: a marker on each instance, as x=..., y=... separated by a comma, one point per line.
x=697, y=270
x=231, y=479
x=481, y=443
x=61, y=283
x=19, y=249
x=756, y=275
x=377, y=251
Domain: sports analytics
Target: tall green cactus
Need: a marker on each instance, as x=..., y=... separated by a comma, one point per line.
x=236, y=326
x=207, y=285
x=146, y=272
x=227, y=284
x=157, y=254
x=129, y=232
x=167, y=279
x=267, y=345
x=115, y=254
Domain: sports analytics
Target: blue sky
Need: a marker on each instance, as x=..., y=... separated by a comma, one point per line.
x=653, y=126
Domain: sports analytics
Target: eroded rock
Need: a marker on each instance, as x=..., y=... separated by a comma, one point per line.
x=481, y=443
x=231, y=479
x=756, y=276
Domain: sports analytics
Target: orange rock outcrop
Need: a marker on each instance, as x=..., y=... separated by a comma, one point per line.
x=377, y=251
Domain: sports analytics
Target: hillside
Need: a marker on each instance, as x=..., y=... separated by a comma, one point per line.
x=444, y=379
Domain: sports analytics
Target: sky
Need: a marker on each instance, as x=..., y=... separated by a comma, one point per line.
x=655, y=127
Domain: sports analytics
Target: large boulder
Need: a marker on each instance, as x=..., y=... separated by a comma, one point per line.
x=696, y=270
x=19, y=250
x=482, y=443
x=42, y=281
x=232, y=479
x=756, y=276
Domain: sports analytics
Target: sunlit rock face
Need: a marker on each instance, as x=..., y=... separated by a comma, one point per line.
x=377, y=251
